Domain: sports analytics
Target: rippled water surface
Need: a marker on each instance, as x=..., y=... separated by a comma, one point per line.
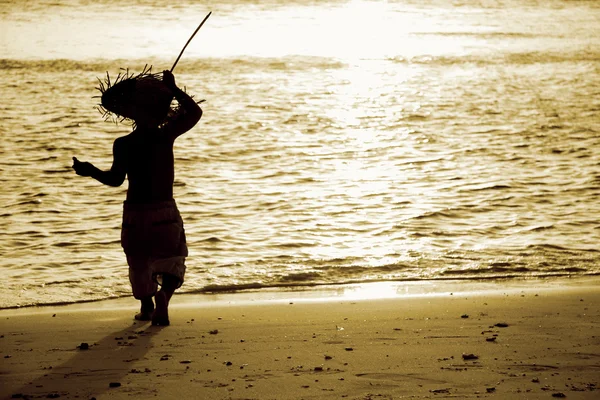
x=342, y=141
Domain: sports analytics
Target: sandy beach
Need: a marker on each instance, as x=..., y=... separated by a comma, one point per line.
x=536, y=341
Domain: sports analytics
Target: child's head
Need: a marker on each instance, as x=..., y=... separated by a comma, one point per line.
x=144, y=98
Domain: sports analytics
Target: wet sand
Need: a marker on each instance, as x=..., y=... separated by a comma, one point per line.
x=530, y=342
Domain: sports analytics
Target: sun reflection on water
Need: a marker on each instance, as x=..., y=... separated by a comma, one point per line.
x=351, y=31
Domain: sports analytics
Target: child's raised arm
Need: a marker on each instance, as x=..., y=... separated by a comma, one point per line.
x=190, y=112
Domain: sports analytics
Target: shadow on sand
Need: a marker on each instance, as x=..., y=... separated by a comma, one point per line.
x=92, y=372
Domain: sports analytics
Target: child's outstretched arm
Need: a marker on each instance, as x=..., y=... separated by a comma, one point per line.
x=113, y=177
x=191, y=112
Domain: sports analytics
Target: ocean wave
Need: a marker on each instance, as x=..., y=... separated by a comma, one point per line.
x=295, y=281
x=483, y=35
x=294, y=286
x=487, y=186
x=57, y=303
x=524, y=58
x=189, y=65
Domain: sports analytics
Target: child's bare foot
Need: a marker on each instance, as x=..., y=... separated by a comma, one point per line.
x=146, y=311
x=142, y=316
x=161, y=314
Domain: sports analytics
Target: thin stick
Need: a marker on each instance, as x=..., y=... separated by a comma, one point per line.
x=190, y=39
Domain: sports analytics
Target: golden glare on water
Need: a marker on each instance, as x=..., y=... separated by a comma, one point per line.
x=351, y=31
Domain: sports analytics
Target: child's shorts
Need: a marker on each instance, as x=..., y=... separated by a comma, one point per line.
x=153, y=239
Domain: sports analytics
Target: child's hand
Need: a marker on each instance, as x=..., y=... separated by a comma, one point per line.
x=82, y=168
x=169, y=79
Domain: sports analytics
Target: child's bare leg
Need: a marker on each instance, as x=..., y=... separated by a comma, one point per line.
x=143, y=286
x=163, y=296
x=146, y=310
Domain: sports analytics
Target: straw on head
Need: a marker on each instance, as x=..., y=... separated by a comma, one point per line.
x=135, y=97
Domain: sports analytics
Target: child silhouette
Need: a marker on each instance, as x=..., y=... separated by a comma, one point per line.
x=152, y=235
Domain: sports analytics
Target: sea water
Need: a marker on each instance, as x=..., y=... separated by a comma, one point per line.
x=341, y=142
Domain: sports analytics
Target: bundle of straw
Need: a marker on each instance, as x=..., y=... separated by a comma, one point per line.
x=135, y=97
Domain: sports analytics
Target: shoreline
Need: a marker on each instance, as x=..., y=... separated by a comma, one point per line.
x=325, y=293
x=519, y=341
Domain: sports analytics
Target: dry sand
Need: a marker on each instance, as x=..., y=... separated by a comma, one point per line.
x=504, y=342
